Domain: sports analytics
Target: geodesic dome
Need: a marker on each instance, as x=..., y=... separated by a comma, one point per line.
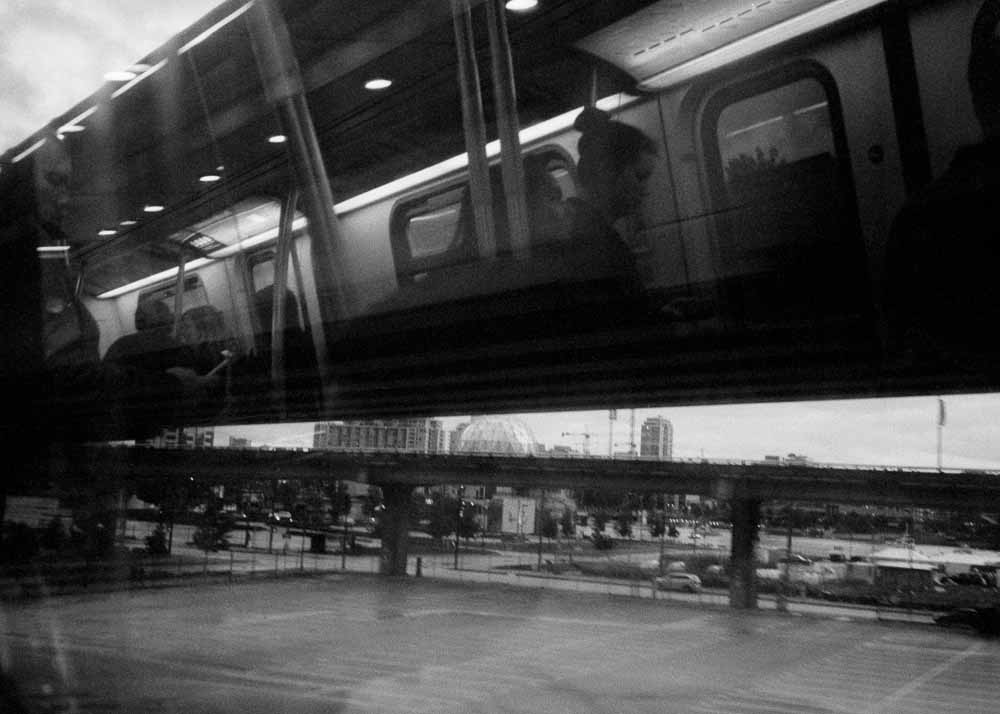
x=496, y=435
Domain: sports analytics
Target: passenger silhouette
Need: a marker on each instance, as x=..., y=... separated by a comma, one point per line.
x=616, y=160
x=942, y=297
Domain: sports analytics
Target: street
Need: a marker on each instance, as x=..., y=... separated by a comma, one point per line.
x=351, y=643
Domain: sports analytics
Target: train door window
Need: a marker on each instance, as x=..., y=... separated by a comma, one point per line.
x=788, y=245
x=432, y=232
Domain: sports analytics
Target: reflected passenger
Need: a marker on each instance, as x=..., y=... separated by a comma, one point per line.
x=942, y=294
x=616, y=160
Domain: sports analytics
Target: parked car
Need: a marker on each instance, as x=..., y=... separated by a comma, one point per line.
x=984, y=620
x=795, y=559
x=837, y=558
x=282, y=518
x=685, y=582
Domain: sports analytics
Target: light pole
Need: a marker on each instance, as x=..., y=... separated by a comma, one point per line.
x=458, y=522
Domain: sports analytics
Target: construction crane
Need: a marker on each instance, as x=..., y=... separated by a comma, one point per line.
x=586, y=439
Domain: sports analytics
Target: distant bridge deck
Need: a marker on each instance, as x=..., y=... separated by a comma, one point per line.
x=756, y=479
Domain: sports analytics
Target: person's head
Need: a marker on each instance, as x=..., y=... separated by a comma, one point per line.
x=51, y=168
x=152, y=315
x=616, y=159
x=984, y=67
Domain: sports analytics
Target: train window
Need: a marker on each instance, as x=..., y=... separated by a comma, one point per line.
x=194, y=295
x=788, y=246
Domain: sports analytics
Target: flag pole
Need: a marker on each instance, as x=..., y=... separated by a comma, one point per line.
x=940, y=425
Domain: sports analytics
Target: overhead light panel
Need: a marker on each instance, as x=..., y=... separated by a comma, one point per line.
x=521, y=5
x=377, y=84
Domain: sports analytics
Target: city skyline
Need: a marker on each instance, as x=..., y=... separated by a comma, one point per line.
x=878, y=432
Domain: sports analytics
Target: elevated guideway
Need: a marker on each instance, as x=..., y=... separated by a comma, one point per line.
x=833, y=483
x=746, y=485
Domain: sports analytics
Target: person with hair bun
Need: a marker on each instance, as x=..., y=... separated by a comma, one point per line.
x=942, y=298
x=616, y=159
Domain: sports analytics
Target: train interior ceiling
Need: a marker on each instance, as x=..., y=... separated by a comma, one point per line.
x=197, y=204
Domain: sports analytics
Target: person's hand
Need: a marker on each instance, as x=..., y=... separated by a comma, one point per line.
x=193, y=383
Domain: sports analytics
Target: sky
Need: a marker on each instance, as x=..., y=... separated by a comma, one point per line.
x=54, y=53
x=877, y=432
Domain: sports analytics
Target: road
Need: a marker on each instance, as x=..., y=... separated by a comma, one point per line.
x=349, y=643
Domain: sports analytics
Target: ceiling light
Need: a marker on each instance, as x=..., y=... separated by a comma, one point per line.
x=277, y=138
x=378, y=83
x=209, y=178
x=120, y=75
x=107, y=232
x=521, y=5
x=128, y=222
x=152, y=208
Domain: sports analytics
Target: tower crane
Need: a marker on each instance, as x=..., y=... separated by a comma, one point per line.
x=586, y=439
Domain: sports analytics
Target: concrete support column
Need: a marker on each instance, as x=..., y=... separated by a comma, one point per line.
x=742, y=585
x=395, y=529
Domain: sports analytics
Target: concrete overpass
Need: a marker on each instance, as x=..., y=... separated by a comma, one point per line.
x=926, y=488
x=746, y=485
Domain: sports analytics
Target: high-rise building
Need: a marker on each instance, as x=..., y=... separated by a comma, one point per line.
x=421, y=436
x=197, y=437
x=657, y=438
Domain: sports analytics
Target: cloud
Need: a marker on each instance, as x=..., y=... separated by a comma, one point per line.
x=54, y=53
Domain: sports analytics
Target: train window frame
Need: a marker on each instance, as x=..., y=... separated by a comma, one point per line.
x=411, y=269
x=733, y=90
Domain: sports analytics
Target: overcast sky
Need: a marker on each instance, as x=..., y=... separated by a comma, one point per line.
x=54, y=53
x=882, y=432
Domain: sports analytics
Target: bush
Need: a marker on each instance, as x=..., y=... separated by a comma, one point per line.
x=20, y=542
x=602, y=542
x=54, y=536
x=156, y=542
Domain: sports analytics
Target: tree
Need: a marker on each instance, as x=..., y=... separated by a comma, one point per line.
x=441, y=516
x=156, y=542
x=548, y=525
x=468, y=524
x=658, y=525
x=567, y=523
x=214, y=524
x=624, y=526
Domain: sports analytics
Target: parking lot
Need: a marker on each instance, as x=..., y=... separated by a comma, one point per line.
x=352, y=643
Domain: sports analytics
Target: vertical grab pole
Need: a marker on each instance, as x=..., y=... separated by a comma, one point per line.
x=283, y=86
x=474, y=125
x=278, y=316
x=505, y=97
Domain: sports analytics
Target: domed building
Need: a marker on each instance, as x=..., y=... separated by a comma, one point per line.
x=496, y=435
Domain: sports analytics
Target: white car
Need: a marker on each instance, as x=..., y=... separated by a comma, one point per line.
x=679, y=581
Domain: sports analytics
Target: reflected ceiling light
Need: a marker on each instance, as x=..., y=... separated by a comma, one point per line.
x=73, y=125
x=521, y=5
x=378, y=83
x=152, y=208
x=107, y=232
x=214, y=28
x=277, y=138
x=209, y=178
x=120, y=75
x=27, y=152
x=140, y=72
x=128, y=222
x=53, y=249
